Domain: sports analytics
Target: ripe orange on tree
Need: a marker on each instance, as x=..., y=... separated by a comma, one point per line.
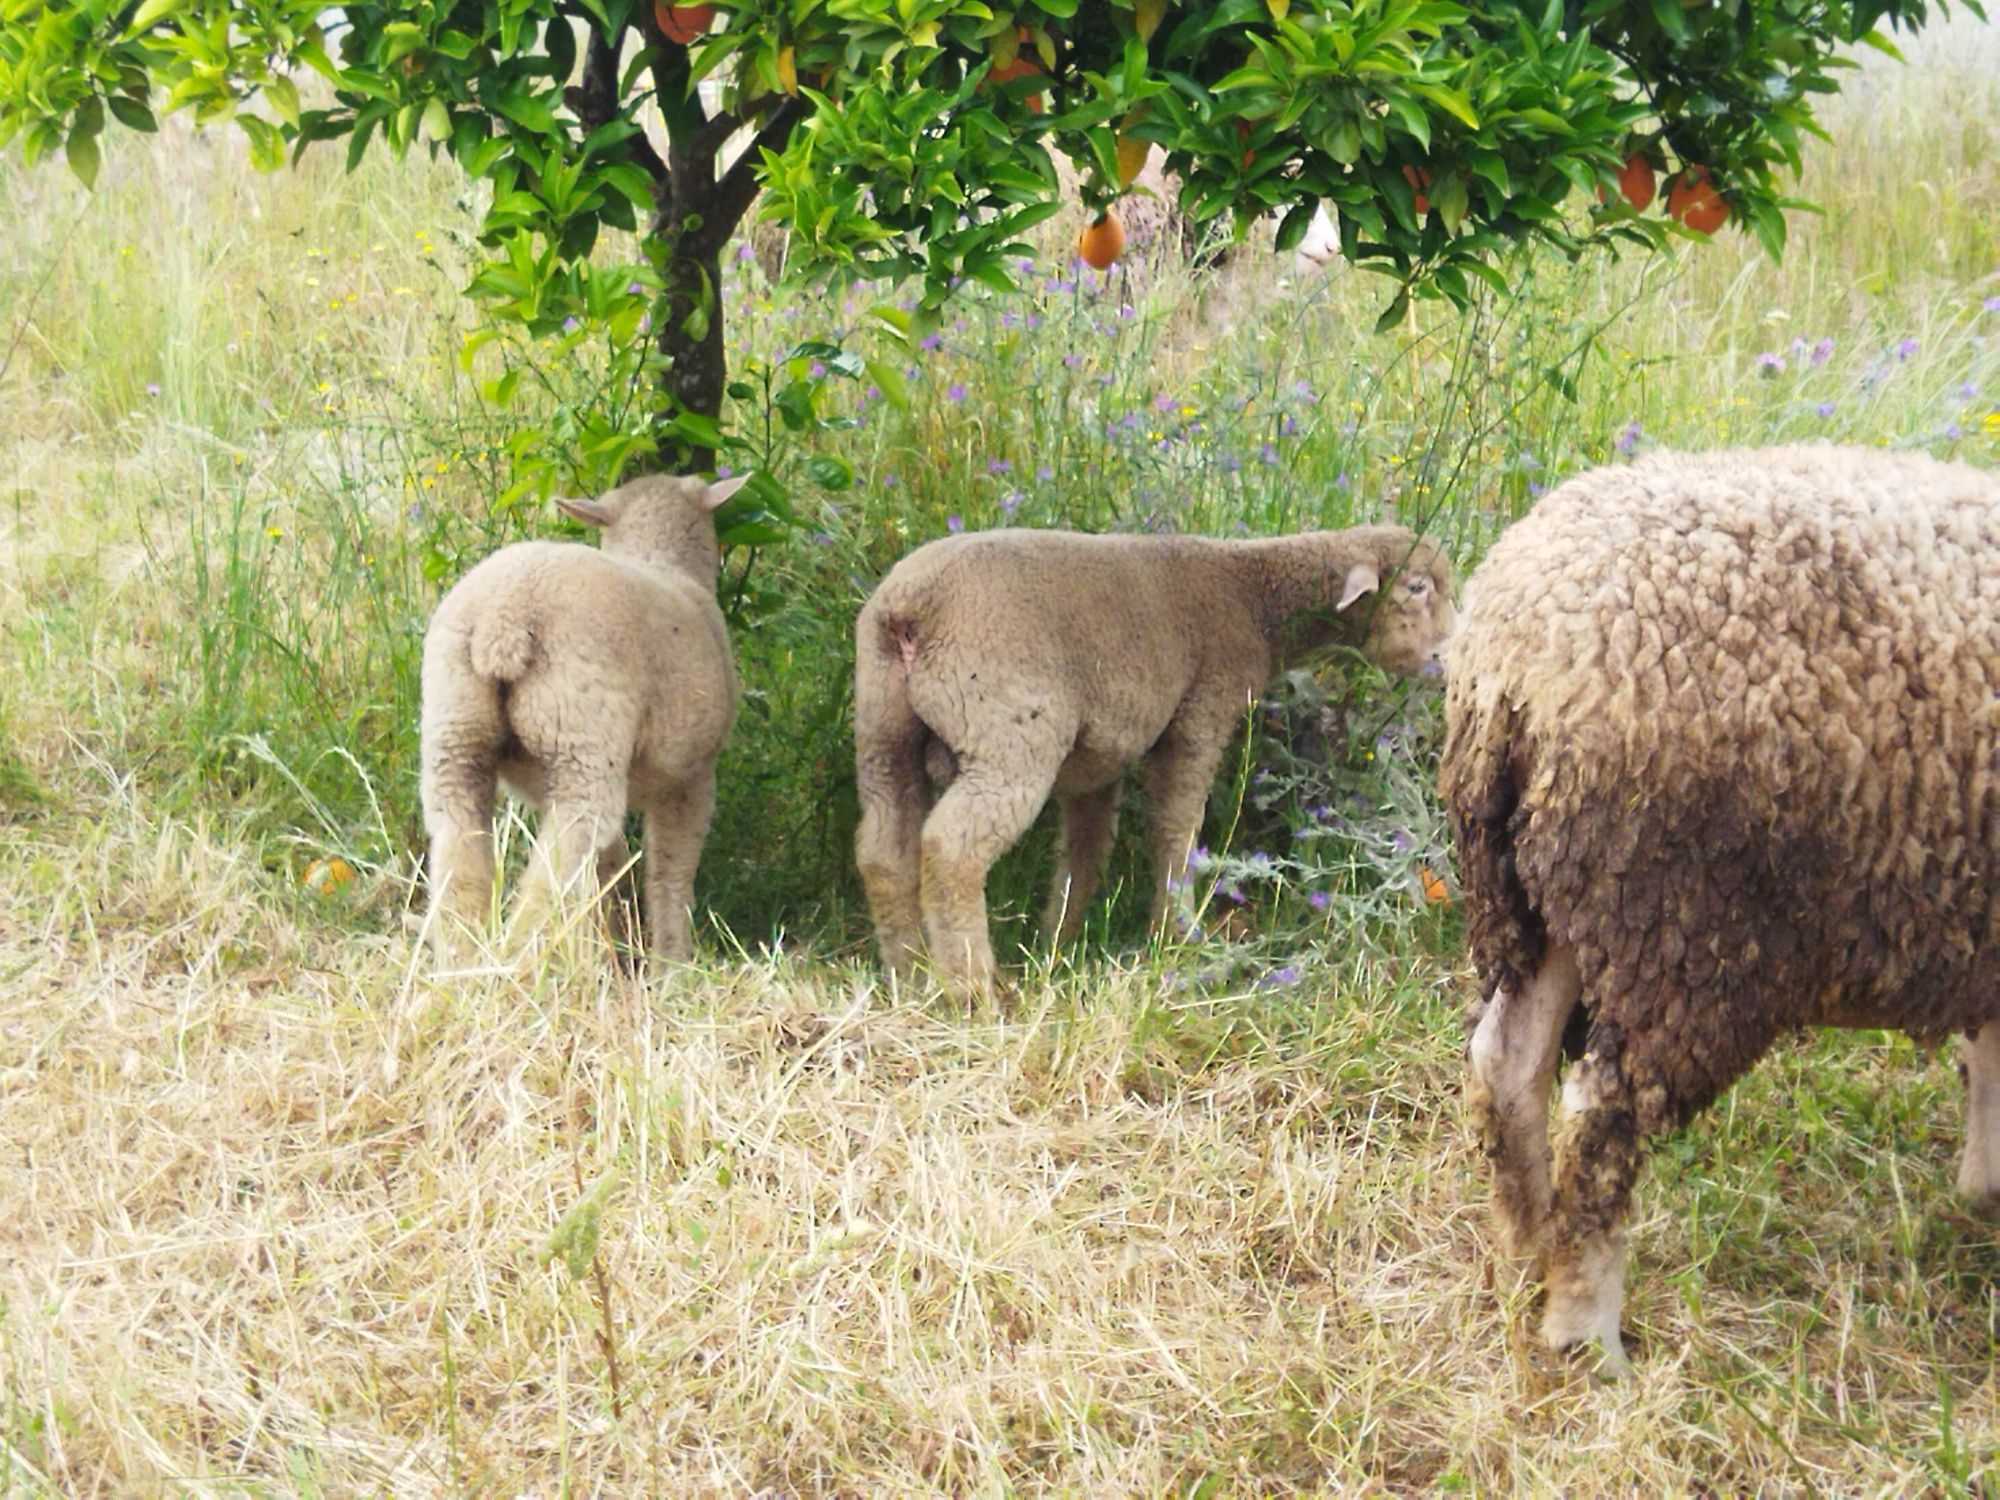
x=1101, y=241
x=1694, y=201
x=682, y=23
x=1020, y=65
x=1635, y=183
x=1418, y=180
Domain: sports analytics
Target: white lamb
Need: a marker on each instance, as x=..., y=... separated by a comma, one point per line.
x=585, y=681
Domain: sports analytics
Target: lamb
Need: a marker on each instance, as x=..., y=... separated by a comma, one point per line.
x=1020, y=664
x=1722, y=760
x=583, y=681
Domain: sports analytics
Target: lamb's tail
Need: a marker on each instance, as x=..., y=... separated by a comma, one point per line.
x=502, y=648
x=1480, y=777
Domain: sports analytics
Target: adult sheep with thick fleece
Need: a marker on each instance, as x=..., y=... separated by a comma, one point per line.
x=1720, y=760
x=585, y=680
x=1019, y=664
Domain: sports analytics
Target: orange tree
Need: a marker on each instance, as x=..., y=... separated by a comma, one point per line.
x=913, y=138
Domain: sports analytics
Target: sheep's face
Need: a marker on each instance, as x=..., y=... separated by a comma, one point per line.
x=662, y=518
x=1410, y=613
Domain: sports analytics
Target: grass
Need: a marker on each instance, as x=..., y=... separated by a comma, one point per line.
x=285, y=1213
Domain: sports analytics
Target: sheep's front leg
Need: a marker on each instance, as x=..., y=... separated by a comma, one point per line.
x=1179, y=771
x=977, y=820
x=1596, y=1162
x=676, y=826
x=1089, y=819
x=1511, y=1066
x=1979, y=1168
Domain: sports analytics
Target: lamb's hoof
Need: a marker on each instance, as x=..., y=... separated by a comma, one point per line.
x=1609, y=1348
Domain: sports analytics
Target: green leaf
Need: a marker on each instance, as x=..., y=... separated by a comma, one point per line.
x=890, y=380
x=84, y=156
x=1395, y=312
x=149, y=13
x=131, y=113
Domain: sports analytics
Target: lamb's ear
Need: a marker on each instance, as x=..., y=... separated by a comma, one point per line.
x=722, y=489
x=1362, y=578
x=590, y=512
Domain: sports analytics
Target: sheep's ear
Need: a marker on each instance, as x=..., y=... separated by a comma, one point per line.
x=1361, y=579
x=722, y=489
x=590, y=512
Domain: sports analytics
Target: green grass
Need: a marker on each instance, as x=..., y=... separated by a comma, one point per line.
x=1192, y=1214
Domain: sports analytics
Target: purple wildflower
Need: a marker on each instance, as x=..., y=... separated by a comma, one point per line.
x=569, y=325
x=1629, y=438
x=1010, y=502
x=1266, y=453
x=1770, y=363
x=816, y=369
x=1822, y=352
x=1905, y=348
x=955, y=391
x=635, y=287
x=1072, y=361
x=1952, y=430
x=1045, y=473
x=1342, y=482
x=723, y=471
x=998, y=465
x=1825, y=408
x=1317, y=900
x=931, y=341
x=1991, y=304
x=954, y=523
x=152, y=387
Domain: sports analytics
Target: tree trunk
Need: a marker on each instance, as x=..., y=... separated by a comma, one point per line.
x=689, y=337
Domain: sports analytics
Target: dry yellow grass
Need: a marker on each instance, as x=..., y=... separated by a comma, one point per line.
x=277, y=1207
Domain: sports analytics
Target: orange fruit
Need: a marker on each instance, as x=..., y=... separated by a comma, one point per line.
x=682, y=23
x=1418, y=179
x=326, y=875
x=1101, y=242
x=1694, y=201
x=1635, y=183
x=1020, y=65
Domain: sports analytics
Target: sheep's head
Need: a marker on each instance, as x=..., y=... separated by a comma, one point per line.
x=1392, y=599
x=660, y=519
x=1410, y=621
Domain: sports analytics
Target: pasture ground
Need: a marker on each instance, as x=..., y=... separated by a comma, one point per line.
x=282, y=1212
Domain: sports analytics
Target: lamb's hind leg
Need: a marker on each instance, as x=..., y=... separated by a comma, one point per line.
x=1511, y=1065
x=1089, y=819
x=894, y=791
x=1596, y=1162
x=1979, y=1168
x=461, y=733
x=977, y=820
x=583, y=819
x=676, y=825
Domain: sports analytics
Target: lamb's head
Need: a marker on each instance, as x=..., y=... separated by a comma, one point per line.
x=660, y=520
x=1391, y=597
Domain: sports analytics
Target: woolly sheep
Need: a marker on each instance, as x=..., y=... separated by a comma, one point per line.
x=1017, y=664
x=584, y=681
x=1720, y=760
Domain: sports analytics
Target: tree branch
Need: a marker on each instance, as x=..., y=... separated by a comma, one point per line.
x=595, y=103
x=738, y=188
